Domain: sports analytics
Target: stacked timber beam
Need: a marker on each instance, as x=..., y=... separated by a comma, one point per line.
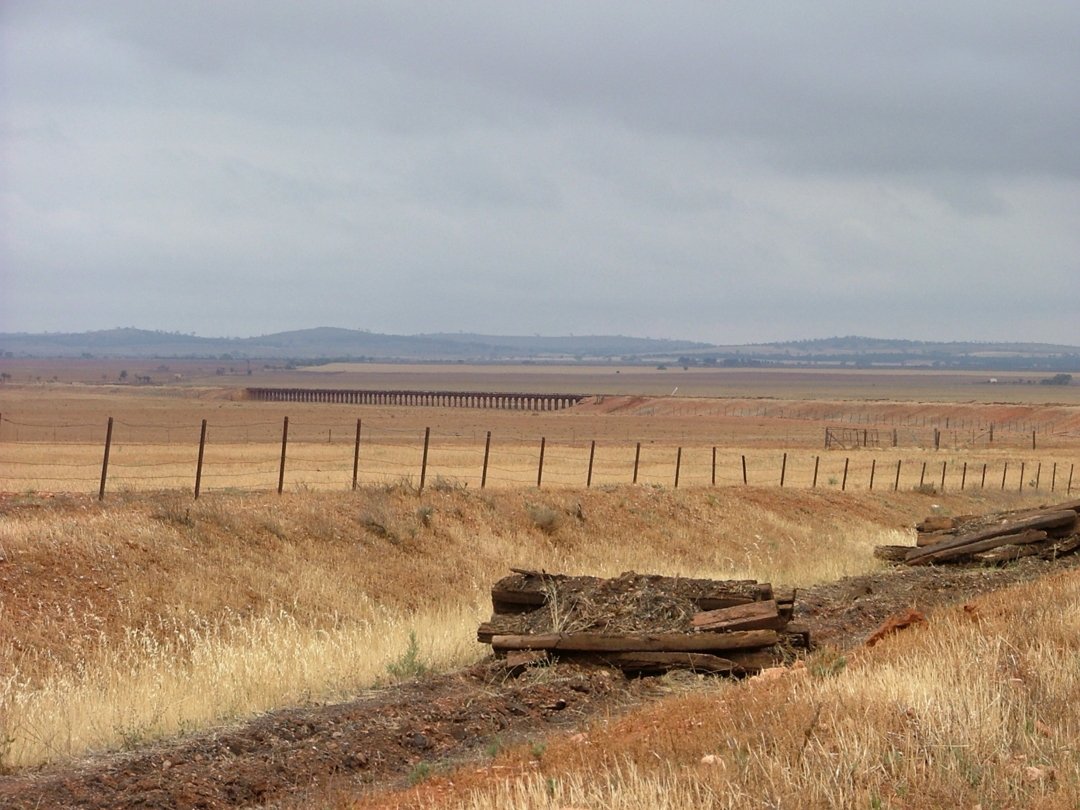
x=641, y=624
x=1048, y=532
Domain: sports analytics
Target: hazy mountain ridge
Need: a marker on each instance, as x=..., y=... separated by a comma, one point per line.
x=332, y=343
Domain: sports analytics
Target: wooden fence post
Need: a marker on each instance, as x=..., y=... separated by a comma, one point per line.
x=1053, y=477
x=423, y=458
x=817, y=461
x=105, y=460
x=783, y=470
x=744, y=470
x=540, y=466
x=1038, y=475
x=356, y=456
x=1033, y=440
x=1068, y=489
x=922, y=476
x=843, y=484
x=896, y=483
x=678, y=465
x=284, y=443
x=944, y=464
x=487, y=454
x=592, y=454
x=963, y=477
x=982, y=484
x=873, y=466
x=1021, y=487
x=714, y=466
x=198, y=464
x=637, y=458
x=1004, y=472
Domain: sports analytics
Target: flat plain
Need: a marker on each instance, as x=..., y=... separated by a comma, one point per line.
x=149, y=622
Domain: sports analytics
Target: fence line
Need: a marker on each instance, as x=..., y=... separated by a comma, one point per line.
x=393, y=455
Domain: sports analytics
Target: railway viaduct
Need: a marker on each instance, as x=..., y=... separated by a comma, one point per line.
x=445, y=399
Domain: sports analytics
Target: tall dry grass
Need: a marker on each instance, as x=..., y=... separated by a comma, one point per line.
x=148, y=615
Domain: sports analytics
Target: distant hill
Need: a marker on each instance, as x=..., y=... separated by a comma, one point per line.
x=328, y=343
x=325, y=344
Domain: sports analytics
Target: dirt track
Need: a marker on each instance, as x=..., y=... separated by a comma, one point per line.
x=378, y=739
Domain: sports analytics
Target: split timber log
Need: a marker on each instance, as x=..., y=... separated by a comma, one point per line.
x=754, y=616
x=738, y=663
x=930, y=538
x=966, y=550
x=936, y=523
x=1044, y=520
x=646, y=642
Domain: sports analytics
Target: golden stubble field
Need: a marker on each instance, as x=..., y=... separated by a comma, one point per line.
x=53, y=420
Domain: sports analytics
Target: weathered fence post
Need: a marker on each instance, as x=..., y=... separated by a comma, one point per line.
x=944, y=464
x=105, y=460
x=843, y=484
x=284, y=443
x=1004, y=472
x=873, y=467
x=896, y=483
x=714, y=466
x=540, y=466
x=1038, y=475
x=817, y=461
x=356, y=456
x=423, y=460
x=198, y=464
x=678, y=465
x=744, y=470
x=1053, y=477
x=982, y=483
x=1069, y=488
x=963, y=477
x=487, y=454
x=1021, y=487
x=592, y=454
x=637, y=458
x=1033, y=440
x=783, y=470
x=922, y=475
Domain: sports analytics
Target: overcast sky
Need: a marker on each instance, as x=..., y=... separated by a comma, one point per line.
x=721, y=171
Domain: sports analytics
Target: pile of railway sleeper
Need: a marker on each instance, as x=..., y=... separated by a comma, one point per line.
x=1047, y=531
x=641, y=623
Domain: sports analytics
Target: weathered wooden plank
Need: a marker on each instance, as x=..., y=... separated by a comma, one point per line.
x=763, y=615
x=632, y=642
x=936, y=523
x=1045, y=520
x=699, y=662
x=945, y=554
x=930, y=538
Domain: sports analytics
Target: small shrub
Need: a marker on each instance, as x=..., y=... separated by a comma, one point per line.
x=420, y=771
x=544, y=518
x=424, y=515
x=442, y=483
x=827, y=663
x=409, y=664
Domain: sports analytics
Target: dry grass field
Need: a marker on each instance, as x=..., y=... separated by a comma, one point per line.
x=150, y=614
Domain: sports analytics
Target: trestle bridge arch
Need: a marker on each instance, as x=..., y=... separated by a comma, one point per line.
x=444, y=399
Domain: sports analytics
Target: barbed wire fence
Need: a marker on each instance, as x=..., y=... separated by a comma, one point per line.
x=277, y=455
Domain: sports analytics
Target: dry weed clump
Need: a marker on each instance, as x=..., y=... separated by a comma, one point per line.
x=979, y=708
x=147, y=615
